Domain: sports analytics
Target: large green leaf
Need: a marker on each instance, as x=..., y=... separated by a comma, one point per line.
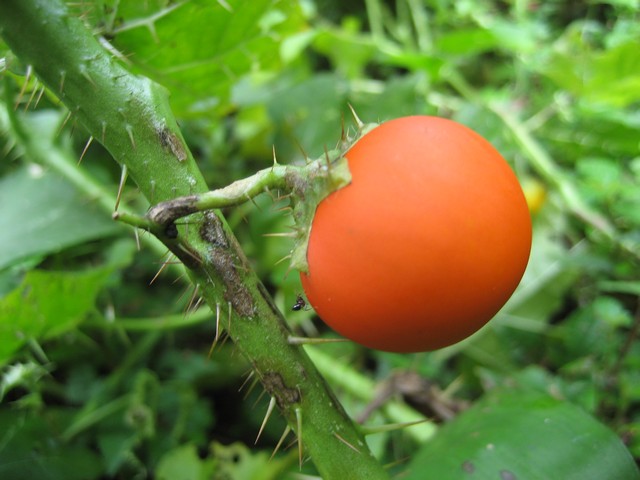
x=45, y=305
x=43, y=213
x=518, y=434
x=31, y=448
x=200, y=48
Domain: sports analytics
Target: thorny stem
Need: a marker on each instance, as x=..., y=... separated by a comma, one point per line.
x=131, y=117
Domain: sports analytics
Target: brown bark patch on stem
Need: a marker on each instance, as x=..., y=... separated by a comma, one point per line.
x=172, y=142
x=276, y=387
x=224, y=261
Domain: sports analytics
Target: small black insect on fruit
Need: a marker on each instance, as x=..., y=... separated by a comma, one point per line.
x=300, y=304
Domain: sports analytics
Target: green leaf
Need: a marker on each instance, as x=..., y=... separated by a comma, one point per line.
x=522, y=37
x=467, y=41
x=45, y=305
x=183, y=463
x=201, y=48
x=30, y=448
x=116, y=449
x=517, y=434
x=616, y=75
x=42, y=213
x=610, y=77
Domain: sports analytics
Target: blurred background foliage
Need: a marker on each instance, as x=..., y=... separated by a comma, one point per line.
x=105, y=371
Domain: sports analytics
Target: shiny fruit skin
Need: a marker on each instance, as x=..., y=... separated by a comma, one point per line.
x=427, y=242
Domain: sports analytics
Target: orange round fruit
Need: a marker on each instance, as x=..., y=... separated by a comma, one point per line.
x=427, y=242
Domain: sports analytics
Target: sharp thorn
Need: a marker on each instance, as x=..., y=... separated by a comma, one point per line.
x=345, y=442
x=73, y=127
x=63, y=75
x=272, y=404
x=268, y=191
x=280, y=198
x=64, y=122
x=217, y=337
x=279, y=444
x=253, y=200
x=86, y=76
x=356, y=118
x=193, y=256
x=198, y=303
x=162, y=267
x=291, y=443
x=86, y=147
x=281, y=234
x=299, y=434
x=33, y=94
x=135, y=233
x=249, y=377
x=193, y=297
x=129, y=130
x=123, y=179
x=283, y=259
x=182, y=294
x=400, y=461
x=179, y=277
x=327, y=159
x=390, y=427
x=224, y=342
x=42, y=90
x=304, y=153
x=259, y=398
x=286, y=208
x=288, y=271
x=23, y=90
x=253, y=384
x=114, y=51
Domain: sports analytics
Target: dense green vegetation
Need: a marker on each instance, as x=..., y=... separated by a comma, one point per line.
x=105, y=367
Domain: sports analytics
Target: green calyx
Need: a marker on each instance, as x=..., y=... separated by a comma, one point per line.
x=325, y=177
x=315, y=182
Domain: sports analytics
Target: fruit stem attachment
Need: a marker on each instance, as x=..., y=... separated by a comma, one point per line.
x=305, y=185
